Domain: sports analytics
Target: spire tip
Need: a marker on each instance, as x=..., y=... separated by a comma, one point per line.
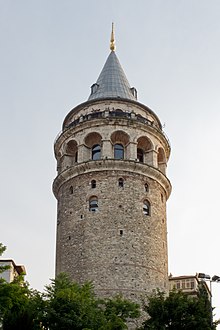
x=112, y=41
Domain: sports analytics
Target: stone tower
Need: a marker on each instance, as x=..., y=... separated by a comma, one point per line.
x=112, y=189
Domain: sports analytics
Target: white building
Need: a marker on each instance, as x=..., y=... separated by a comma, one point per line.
x=13, y=270
x=188, y=284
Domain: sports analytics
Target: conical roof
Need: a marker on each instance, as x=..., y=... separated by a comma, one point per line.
x=112, y=82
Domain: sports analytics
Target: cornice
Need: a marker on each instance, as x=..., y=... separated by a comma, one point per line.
x=112, y=165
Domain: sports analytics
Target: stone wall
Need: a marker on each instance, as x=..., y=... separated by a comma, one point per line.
x=122, y=245
x=118, y=247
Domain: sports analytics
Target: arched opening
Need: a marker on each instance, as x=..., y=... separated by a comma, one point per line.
x=144, y=147
x=121, y=182
x=146, y=187
x=93, y=138
x=161, y=160
x=140, y=155
x=146, y=207
x=96, y=152
x=120, y=141
x=70, y=155
x=71, y=148
x=161, y=156
x=93, y=204
x=118, y=151
x=93, y=184
x=93, y=142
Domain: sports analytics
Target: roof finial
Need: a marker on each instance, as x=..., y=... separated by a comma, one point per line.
x=112, y=41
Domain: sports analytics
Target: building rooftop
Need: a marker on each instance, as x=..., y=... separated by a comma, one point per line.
x=112, y=82
x=13, y=270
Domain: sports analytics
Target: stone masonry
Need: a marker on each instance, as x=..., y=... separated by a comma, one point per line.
x=118, y=246
x=111, y=188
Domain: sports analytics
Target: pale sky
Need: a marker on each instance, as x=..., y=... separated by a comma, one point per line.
x=52, y=51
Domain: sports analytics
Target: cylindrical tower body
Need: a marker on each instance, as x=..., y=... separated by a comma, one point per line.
x=112, y=190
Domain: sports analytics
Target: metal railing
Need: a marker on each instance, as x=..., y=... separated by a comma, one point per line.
x=110, y=115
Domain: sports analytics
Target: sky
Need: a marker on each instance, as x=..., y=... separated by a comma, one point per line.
x=52, y=51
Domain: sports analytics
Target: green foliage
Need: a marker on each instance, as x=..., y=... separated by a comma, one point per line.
x=178, y=311
x=2, y=250
x=65, y=305
x=71, y=306
x=117, y=311
x=17, y=305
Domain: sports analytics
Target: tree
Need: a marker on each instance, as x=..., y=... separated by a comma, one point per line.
x=65, y=305
x=69, y=305
x=179, y=311
x=117, y=311
x=2, y=250
x=19, y=305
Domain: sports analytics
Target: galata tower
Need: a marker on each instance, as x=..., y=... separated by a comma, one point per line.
x=111, y=188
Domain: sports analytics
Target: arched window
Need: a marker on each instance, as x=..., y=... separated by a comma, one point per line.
x=121, y=182
x=96, y=152
x=93, y=184
x=140, y=155
x=146, y=208
x=146, y=187
x=118, y=151
x=93, y=204
x=71, y=151
x=161, y=158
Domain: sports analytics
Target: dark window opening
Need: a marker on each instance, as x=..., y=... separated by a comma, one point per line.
x=94, y=88
x=146, y=208
x=121, y=182
x=118, y=151
x=93, y=204
x=76, y=157
x=121, y=232
x=146, y=187
x=71, y=190
x=140, y=155
x=93, y=184
x=96, y=152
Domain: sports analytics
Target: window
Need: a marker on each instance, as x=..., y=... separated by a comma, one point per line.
x=188, y=284
x=76, y=156
x=71, y=190
x=94, y=88
x=93, y=204
x=146, y=208
x=121, y=182
x=118, y=151
x=93, y=184
x=146, y=187
x=140, y=155
x=96, y=152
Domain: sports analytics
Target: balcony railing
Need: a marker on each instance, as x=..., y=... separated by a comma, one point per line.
x=112, y=114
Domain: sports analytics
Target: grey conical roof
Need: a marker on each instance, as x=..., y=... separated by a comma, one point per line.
x=112, y=81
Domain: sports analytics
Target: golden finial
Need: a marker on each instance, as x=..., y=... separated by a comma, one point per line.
x=112, y=41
